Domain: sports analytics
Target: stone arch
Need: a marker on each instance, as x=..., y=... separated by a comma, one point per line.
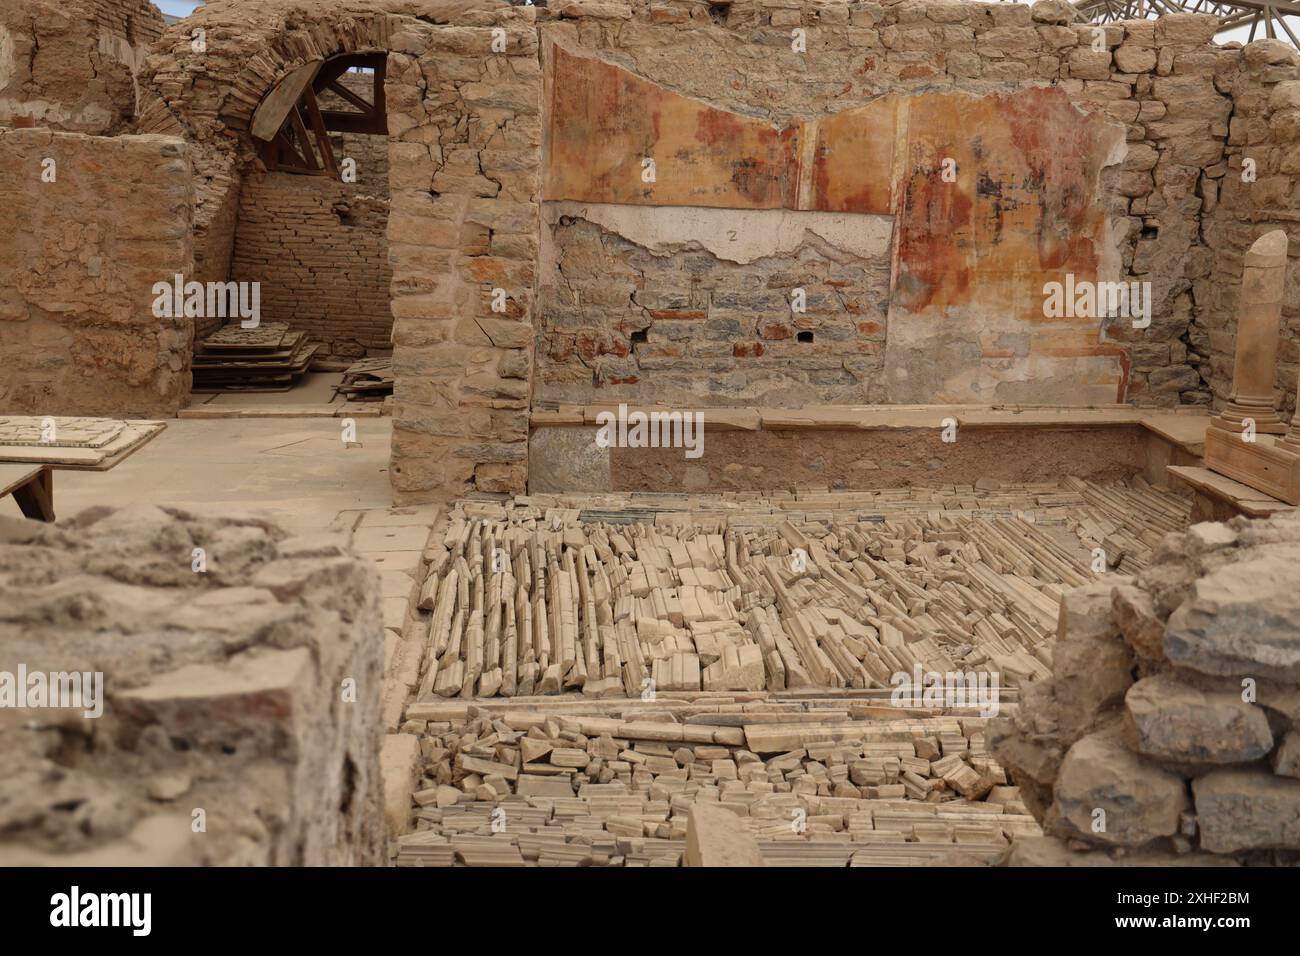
x=464, y=160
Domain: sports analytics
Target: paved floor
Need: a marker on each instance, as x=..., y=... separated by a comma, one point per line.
x=295, y=468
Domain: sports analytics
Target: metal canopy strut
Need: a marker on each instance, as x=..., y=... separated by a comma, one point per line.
x=1270, y=14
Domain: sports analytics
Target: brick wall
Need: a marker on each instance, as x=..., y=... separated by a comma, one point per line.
x=653, y=325
x=319, y=248
x=215, y=244
x=72, y=64
x=77, y=270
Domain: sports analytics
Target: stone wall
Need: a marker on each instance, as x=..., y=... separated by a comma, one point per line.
x=1170, y=729
x=214, y=239
x=464, y=150
x=320, y=251
x=1101, y=154
x=1246, y=200
x=464, y=164
x=77, y=269
x=647, y=323
x=248, y=691
x=718, y=69
x=72, y=64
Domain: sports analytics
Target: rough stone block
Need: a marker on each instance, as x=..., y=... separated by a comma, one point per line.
x=1138, y=801
x=1174, y=722
x=1244, y=809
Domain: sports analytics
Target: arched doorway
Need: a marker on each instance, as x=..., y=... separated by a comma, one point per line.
x=462, y=99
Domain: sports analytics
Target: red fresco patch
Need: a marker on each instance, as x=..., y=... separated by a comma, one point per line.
x=1023, y=210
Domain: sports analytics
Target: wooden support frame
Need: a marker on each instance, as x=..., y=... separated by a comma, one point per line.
x=302, y=143
x=33, y=490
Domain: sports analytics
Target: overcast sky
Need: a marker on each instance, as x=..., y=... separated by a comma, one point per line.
x=179, y=8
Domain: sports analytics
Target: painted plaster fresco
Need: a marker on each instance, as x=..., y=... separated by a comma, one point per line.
x=992, y=197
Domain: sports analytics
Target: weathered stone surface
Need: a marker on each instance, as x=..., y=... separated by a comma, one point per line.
x=567, y=459
x=1052, y=851
x=399, y=761
x=1135, y=616
x=1242, y=809
x=1092, y=666
x=1286, y=759
x=1242, y=620
x=77, y=323
x=1141, y=802
x=1175, y=722
x=716, y=837
x=72, y=64
x=256, y=703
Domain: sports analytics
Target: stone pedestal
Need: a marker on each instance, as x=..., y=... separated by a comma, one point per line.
x=1264, y=462
x=1259, y=312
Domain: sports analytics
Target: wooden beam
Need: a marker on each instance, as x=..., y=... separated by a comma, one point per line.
x=318, y=127
x=340, y=122
x=36, y=497
x=271, y=113
x=338, y=89
x=300, y=131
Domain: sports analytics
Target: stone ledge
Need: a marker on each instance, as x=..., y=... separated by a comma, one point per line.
x=1183, y=427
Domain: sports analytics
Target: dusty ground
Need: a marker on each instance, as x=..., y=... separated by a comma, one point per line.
x=296, y=468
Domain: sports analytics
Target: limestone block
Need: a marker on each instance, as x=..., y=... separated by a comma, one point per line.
x=1175, y=722
x=717, y=837
x=400, y=765
x=1140, y=801
x=1247, y=809
x=1242, y=620
x=1135, y=616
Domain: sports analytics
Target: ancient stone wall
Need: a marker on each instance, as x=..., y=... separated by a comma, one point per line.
x=1170, y=729
x=319, y=245
x=464, y=164
x=801, y=149
x=239, y=718
x=1254, y=193
x=319, y=249
x=805, y=132
x=464, y=153
x=93, y=224
x=72, y=64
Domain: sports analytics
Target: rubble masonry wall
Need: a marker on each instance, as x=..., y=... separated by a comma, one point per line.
x=1170, y=728
x=72, y=64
